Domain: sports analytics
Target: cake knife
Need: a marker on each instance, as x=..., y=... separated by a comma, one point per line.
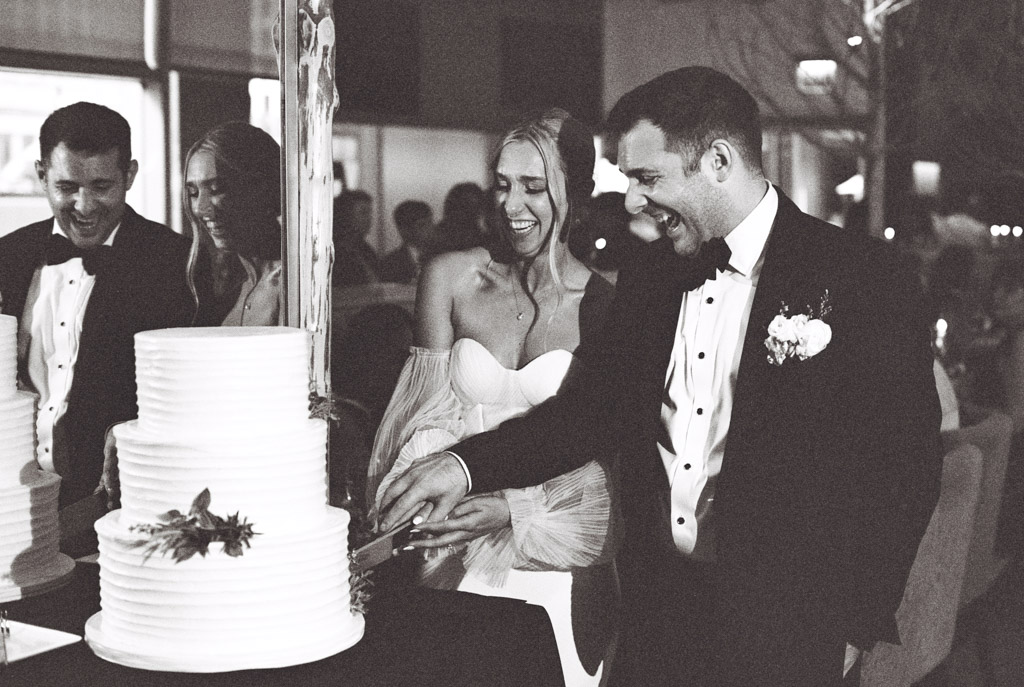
x=381, y=549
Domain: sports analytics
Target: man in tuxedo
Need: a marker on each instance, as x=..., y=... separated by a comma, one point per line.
x=764, y=386
x=81, y=284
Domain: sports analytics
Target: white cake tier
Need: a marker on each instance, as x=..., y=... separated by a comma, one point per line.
x=227, y=381
x=17, y=439
x=276, y=481
x=29, y=535
x=8, y=354
x=284, y=601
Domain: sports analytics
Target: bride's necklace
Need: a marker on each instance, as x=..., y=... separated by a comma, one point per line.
x=515, y=296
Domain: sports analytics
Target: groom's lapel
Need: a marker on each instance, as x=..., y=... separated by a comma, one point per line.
x=785, y=267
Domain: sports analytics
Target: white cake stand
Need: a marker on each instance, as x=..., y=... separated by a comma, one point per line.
x=166, y=658
x=54, y=578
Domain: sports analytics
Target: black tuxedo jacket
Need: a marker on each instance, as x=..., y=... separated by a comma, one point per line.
x=832, y=464
x=144, y=288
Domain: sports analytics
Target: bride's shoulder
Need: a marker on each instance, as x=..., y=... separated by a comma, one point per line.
x=455, y=271
x=458, y=262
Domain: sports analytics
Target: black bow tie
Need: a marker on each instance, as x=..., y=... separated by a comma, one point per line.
x=60, y=249
x=713, y=255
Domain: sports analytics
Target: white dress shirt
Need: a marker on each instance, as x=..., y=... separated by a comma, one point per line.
x=701, y=379
x=48, y=339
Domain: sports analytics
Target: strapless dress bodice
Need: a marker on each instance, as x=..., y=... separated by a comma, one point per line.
x=498, y=393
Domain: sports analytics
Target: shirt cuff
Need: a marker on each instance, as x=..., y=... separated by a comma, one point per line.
x=469, y=480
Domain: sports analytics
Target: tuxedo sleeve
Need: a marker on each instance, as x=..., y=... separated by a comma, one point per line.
x=579, y=424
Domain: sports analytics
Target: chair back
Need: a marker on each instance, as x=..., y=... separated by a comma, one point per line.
x=927, y=615
x=992, y=434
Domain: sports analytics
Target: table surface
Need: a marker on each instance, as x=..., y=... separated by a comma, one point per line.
x=413, y=637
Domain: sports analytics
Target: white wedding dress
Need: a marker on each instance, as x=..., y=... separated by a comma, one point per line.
x=558, y=551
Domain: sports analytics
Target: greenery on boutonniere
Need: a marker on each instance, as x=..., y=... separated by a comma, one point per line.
x=183, y=536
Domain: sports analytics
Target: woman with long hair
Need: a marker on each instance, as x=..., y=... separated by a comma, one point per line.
x=495, y=333
x=232, y=199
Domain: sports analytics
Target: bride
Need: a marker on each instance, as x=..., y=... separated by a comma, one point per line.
x=495, y=331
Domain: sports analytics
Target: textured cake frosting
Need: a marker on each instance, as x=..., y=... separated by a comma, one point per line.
x=224, y=409
x=222, y=380
x=278, y=478
x=30, y=559
x=284, y=601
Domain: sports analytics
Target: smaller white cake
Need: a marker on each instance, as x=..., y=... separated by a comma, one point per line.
x=30, y=559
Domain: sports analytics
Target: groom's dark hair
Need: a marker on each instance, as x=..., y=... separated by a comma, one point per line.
x=86, y=128
x=693, y=106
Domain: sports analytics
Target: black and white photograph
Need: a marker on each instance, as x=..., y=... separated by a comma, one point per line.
x=512, y=343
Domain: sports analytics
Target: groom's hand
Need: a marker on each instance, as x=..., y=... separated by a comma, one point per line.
x=431, y=488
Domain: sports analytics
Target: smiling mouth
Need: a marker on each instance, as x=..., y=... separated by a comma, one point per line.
x=85, y=223
x=521, y=226
x=666, y=221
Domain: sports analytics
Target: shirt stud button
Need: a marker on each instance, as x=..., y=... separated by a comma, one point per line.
x=700, y=411
x=686, y=466
x=710, y=300
x=680, y=520
x=701, y=355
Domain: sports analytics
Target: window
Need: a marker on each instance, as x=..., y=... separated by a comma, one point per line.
x=29, y=97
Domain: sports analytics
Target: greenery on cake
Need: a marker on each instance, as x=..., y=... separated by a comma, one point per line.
x=360, y=529
x=183, y=536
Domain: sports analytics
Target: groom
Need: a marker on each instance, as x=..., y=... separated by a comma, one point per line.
x=764, y=387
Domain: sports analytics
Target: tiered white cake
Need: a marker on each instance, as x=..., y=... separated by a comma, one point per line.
x=30, y=560
x=224, y=409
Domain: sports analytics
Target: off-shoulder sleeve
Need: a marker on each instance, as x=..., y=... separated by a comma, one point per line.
x=423, y=402
x=564, y=523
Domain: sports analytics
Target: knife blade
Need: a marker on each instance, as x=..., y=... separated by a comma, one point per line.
x=381, y=549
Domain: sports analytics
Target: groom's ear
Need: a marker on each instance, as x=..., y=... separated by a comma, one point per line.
x=721, y=157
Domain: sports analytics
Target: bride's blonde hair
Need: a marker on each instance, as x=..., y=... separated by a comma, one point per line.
x=566, y=148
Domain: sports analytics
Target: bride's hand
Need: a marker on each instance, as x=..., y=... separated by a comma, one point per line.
x=469, y=520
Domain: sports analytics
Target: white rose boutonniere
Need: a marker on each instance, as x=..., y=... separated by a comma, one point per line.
x=803, y=335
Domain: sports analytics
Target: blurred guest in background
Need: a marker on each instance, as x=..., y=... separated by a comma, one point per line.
x=414, y=220
x=605, y=243
x=915, y=236
x=81, y=285
x=366, y=361
x=1008, y=313
x=232, y=200
x=495, y=335
x=462, y=222
x=355, y=262
x=959, y=310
